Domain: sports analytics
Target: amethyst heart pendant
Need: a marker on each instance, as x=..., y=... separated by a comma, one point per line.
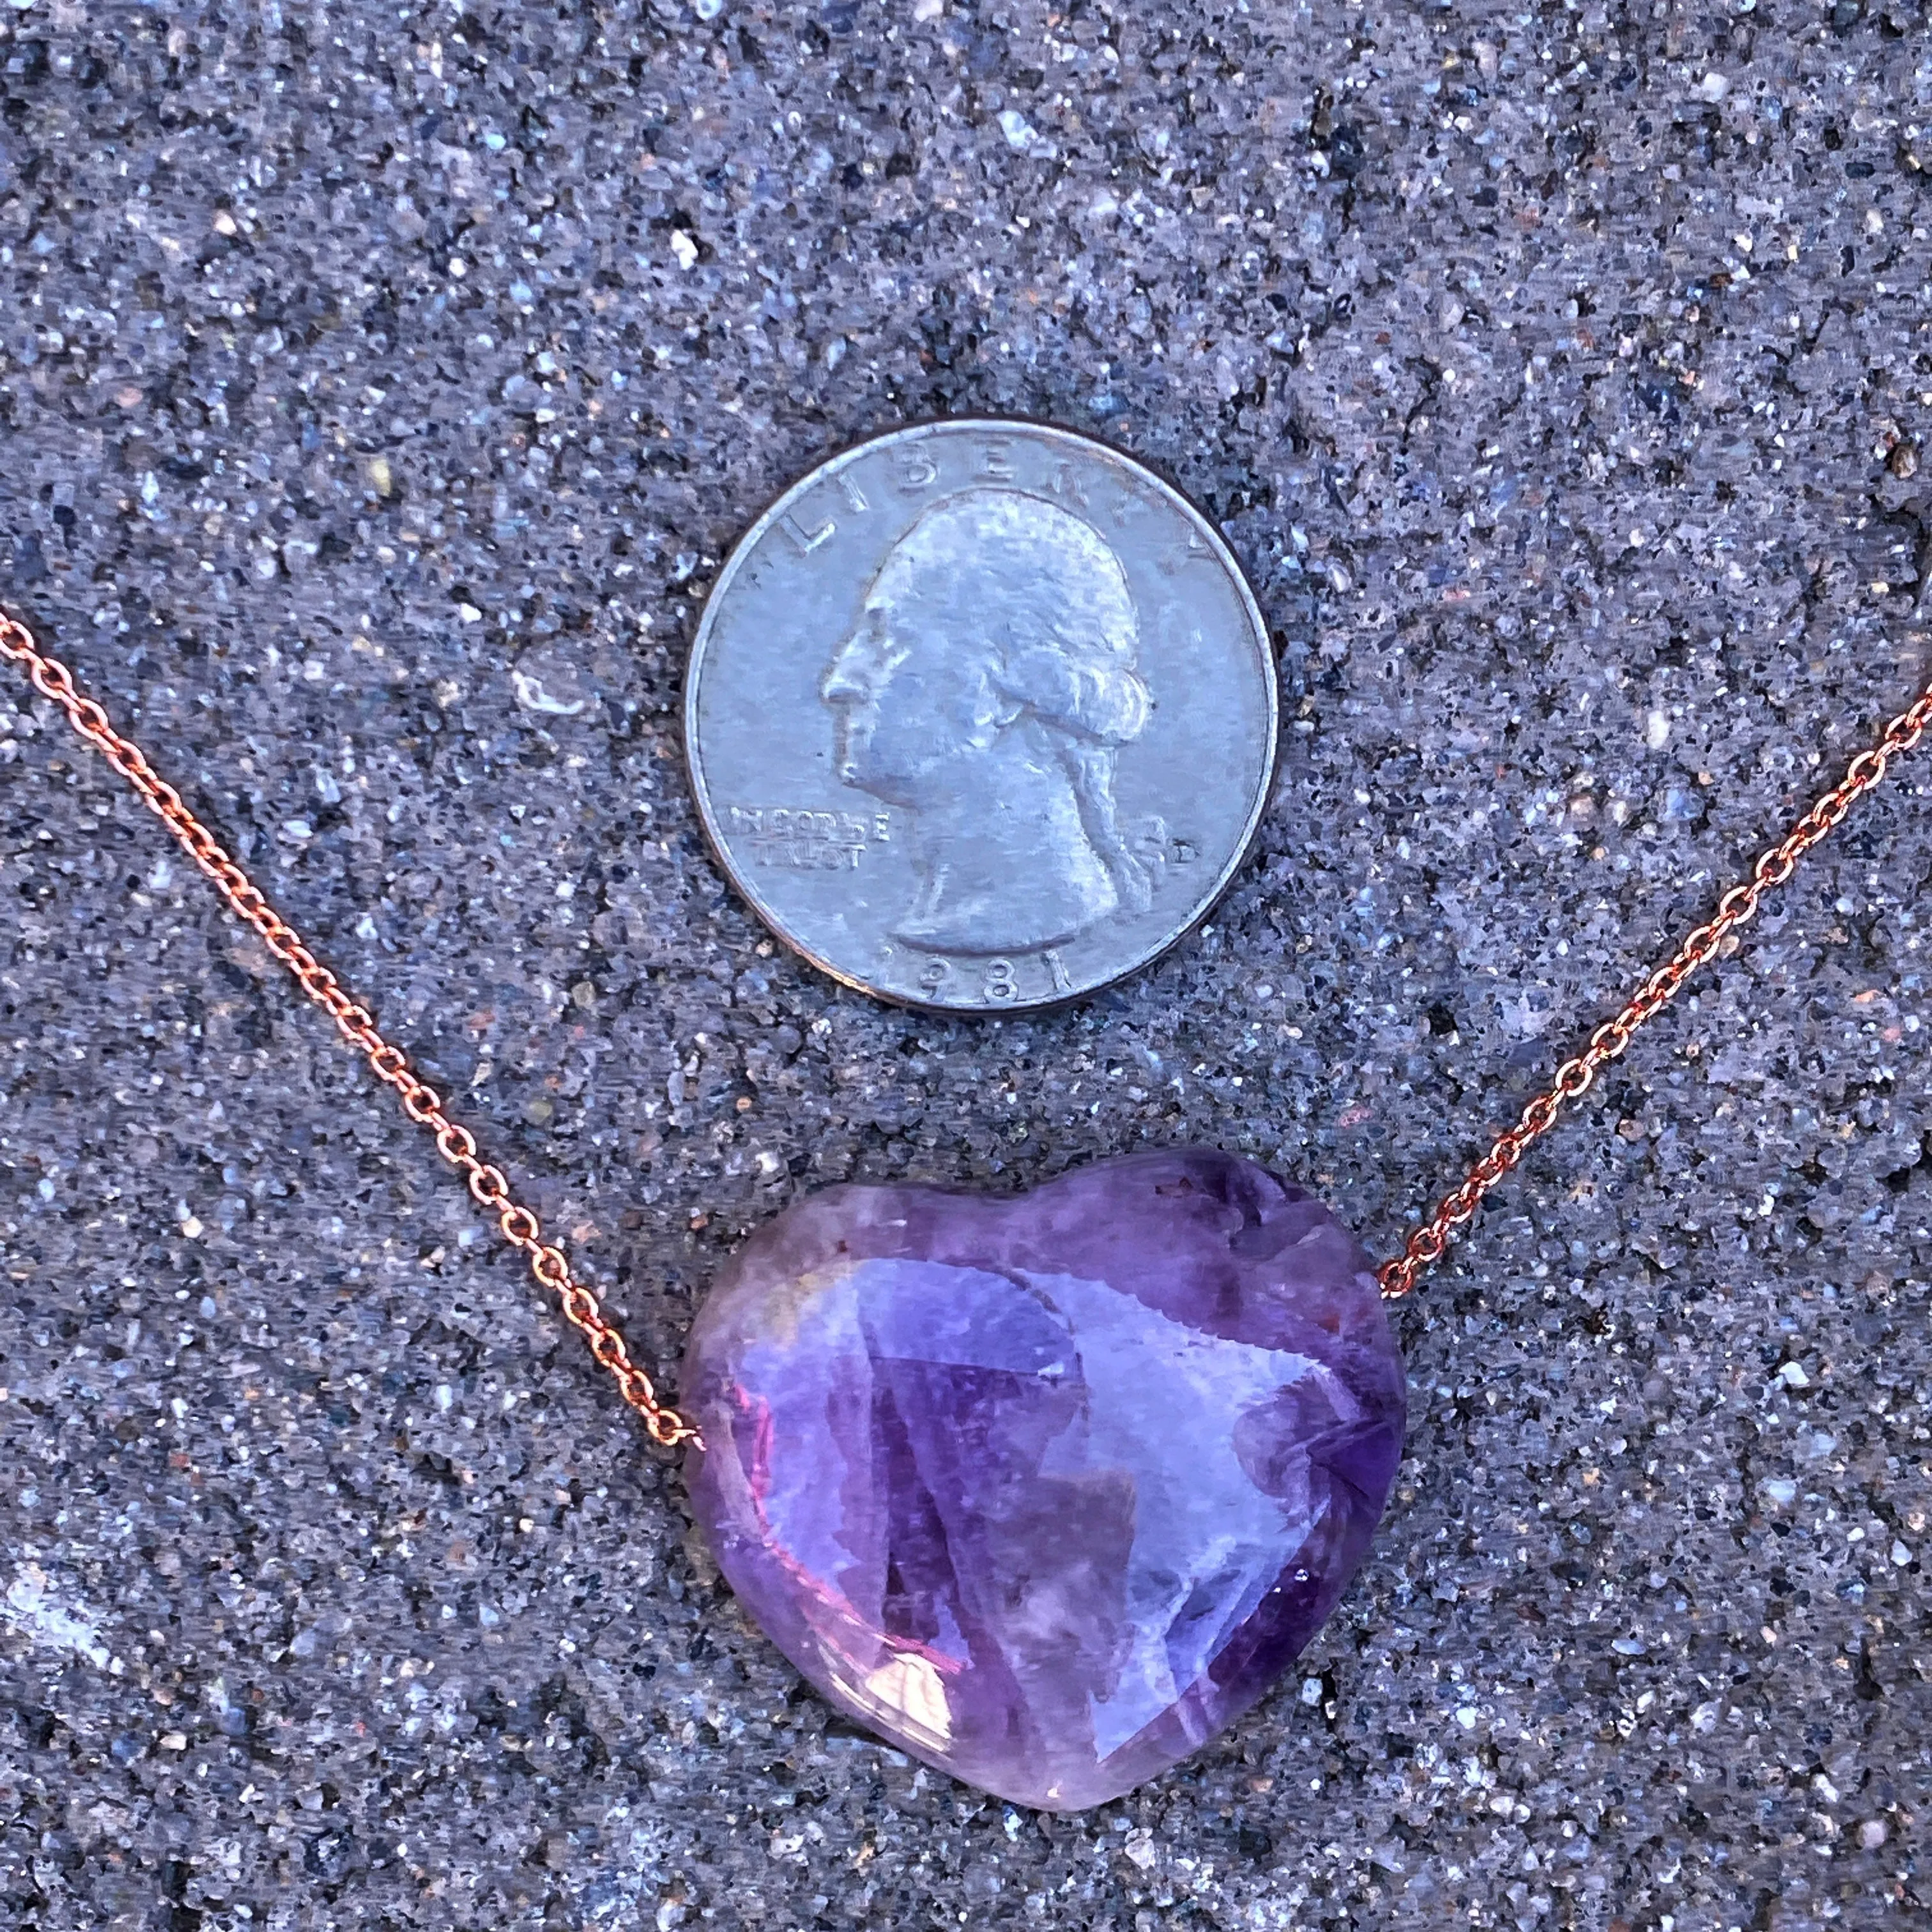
x=1046, y=1490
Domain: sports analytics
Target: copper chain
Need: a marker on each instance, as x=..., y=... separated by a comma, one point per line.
x=456, y=1144
x=520, y=1226
x=1572, y=1080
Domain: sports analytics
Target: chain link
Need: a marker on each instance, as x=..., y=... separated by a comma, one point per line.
x=454, y=1142
x=1573, y=1078
x=520, y=1226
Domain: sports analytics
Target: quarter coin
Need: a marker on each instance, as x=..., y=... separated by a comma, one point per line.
x=981, y=716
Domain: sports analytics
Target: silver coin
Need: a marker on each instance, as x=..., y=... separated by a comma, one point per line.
x=981, y=716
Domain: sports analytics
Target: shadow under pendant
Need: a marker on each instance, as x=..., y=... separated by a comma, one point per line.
x=1046, y=1490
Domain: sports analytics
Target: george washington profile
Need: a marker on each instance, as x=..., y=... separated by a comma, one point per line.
x=986, y=689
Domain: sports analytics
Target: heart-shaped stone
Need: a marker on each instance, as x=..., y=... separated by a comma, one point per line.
x=1046, y=1490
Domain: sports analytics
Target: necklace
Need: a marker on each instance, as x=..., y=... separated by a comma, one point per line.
x=1045, y=1490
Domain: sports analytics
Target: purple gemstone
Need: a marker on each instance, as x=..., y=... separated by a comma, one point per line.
x=1046, y=1490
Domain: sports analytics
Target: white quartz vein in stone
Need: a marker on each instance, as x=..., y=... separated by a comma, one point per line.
x=1203, y=1518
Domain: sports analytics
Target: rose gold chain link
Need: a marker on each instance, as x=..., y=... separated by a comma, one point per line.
x=457, y=1144
x=1573, y=1078
x=520, y=1226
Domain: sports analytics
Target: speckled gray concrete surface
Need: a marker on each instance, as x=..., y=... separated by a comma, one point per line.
x=382, y=386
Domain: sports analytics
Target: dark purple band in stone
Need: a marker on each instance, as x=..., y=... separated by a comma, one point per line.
x=1046, y=1489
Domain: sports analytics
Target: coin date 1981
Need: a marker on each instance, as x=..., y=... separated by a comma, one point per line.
x=994, y=983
